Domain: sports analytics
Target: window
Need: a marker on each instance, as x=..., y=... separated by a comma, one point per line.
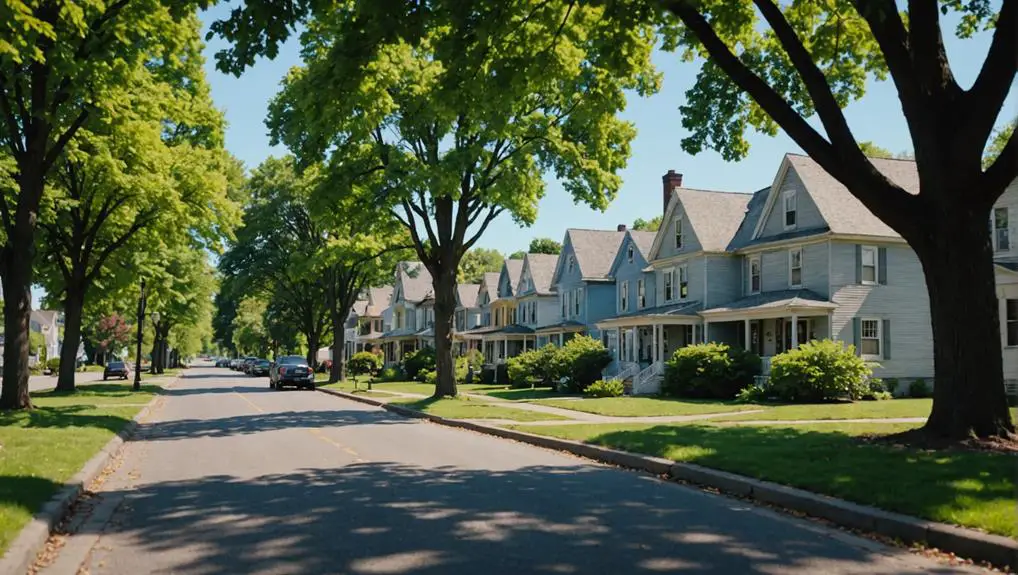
x=629, y=254
x=683, y=282
x=869, y=339
x=678, y=232
x=668, y=286
x=576, y=301
x=1001, y=232
x=641, y=294
x=1012, y=321
x=789, y=203
x=795, y=267
x=572, y=262
x=624, y=296
x=754, y=274
x=869, y=265
x=562, y=302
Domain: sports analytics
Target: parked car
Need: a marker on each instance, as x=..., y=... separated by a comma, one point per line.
x=291, y=370
x=235, y=364
x=245, y=365
x=223, y=362
x=116, y=369
x=260, y=367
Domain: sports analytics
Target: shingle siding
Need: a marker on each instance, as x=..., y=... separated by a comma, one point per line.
x=807, y=215
x=903, y=301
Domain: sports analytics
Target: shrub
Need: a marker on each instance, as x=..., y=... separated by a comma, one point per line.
x=416, y=362
x=582, y=360
x=919, y=388
x=751, y=394
x=878, y=396
x=818, y=371
x=891, y=385
x=391, y=374
x=488, y=375
x=429, y=376
x=53, y=364
x=710, y=370
x=364, y=362
x=475, y=358
x=605, y=388
x=542, y=366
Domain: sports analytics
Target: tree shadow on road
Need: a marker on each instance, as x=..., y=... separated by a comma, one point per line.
x=384, y=517
x=265, y=422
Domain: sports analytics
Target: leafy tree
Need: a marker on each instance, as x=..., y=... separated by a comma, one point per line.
x=545, y=246
x=651, y=225
x=61, y=66
x=810, y=59
x=112, y=333
x=249, y=333
x=517, y=255
x=445, y=115
x=182, y=295
x=1000, y=139
x=477, y=262
x=871, y=150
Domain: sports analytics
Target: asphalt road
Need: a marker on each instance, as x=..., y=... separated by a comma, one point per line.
x=40, y=382
x=231, y=477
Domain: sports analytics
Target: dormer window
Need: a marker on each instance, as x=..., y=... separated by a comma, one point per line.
x=789, y=202
x=678, y=232
x=629, y=254
x=572, y=263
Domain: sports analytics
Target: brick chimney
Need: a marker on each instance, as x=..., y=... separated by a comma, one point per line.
x=621, y=228
x=669, y=182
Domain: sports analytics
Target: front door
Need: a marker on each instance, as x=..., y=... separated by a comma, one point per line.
x=755, y=339
x=801, y=337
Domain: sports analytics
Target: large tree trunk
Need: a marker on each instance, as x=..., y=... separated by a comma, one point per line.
x=968, y=394
x=74, y=305
x=444, y=283
x=338, y=370
x=314, y=338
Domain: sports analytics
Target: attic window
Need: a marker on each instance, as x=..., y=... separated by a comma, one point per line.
x=789, y=203
x=678, y=232
x=629, y=254
x=572, y=263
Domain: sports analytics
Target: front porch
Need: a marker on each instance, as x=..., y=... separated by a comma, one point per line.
x=559, y=333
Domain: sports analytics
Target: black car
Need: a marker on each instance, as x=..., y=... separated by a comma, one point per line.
x=245, y=365
x=223, y=362
x=260, y=367
x=116, y=369
x=291, y=370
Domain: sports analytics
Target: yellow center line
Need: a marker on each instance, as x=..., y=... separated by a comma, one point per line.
x=249, y=402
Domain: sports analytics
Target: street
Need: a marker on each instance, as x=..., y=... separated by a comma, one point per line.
x=41, y=382
x=231, y=477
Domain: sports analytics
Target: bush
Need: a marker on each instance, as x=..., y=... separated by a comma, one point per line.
x=606, y=388
x=542, y=366
x=878, y=396
x=364, y=362
x=417, y=361
x=488, y=376
x=391, y=374
x=429, y=376
x=919, y=388
x=475, y=358
x=818, y=371
x=752, y=394
x=710, y=370
x=582, y=360
x=891, y=385
x=53, y=364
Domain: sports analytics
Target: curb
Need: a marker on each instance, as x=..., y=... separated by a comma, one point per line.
x=25, y=548
x=968, y=543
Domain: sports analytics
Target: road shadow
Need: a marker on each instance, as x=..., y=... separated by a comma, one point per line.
x=264, y=422
x=386, y=517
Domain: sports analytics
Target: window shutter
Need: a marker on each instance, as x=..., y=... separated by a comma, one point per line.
x=857, y=332
x=882, y=265
x=858, y=264
x=885, y=346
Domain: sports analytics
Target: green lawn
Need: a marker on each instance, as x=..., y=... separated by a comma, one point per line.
x=42, y=448
x=170, y=372
x=525, y=394
x=465, y=408
x=964, y=488
x=647, y=406
x=857, y=410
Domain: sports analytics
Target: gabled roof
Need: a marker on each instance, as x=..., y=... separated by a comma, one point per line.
x=416, y=281
x=489, y=281
x=359, y=307
x=514, y=269
x=714, y=217
x=542, y=269
x=841, y=210
x=594, y=250
x=466, y=294
x=379, y=298
x=643, y=242
x=754, y=211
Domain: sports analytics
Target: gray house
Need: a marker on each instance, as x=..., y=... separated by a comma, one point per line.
x=412, y=312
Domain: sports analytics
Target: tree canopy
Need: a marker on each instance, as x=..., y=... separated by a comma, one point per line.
x=477, y=262
x=651, y=225
x=544, y=246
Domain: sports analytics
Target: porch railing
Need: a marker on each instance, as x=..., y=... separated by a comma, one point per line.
x=765, y=366
x=649, y=379
x=626, y=371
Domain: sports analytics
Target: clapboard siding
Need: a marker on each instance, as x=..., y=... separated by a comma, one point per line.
x=723, y=280
x=599, y=303
x=1009, y=200
x=695, y=291
x=903, y=301
x=807, y=216
x=774, y=270
x=1007, y=288
x=690, y=243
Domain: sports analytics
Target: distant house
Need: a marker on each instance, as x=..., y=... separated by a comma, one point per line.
x=413, y=313
x=47, y=322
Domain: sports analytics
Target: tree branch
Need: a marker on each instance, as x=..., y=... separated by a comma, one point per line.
x=58, y=146
x=1002, y=172
x=929, y=57
x=983, y=101
x=493, y=212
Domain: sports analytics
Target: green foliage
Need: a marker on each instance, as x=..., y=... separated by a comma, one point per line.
x=542, y=366
x=476, y=263
x=364, y=362
x=37, y=345
x=417, y=361
x=53, y=364
x=818, y=371
x=391, y=374
x=709, y=370
x=752, y=394
x=919, y=388
x=605, y=388
x=428, y=376
x=517, y=255
x=891, y=385
x=651, y=225
x=544, y=246
x=583, y=358
x=997, y=142
x=249, y=336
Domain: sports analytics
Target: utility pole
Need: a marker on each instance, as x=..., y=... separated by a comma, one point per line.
x=137, y=357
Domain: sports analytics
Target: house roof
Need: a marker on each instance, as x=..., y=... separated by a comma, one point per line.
x=841, y=210
x=568, y=325
x=467, y=294
x=542, y=270
x=489, y=281
x=416, y=281
x=674, y=309
x=45, y=316
x=796, y=298
x=379, y=299
x=643, y=241
x=714, y=216
x=360, y=307
x=513, y=269
x=594, y=250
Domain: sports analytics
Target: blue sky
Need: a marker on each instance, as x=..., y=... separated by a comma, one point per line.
x=877, y=117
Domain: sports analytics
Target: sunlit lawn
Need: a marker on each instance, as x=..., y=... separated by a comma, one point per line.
x=892, y=408
x=42, y=448
x=466, y=408
x=964, y=488
x=646, y=406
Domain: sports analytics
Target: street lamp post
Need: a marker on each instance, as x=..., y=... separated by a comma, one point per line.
x=159, y=344
x=137, y=356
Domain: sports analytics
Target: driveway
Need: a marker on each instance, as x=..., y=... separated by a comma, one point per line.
x=231, y=477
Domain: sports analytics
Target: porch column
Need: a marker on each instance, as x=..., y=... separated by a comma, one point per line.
x=660, y=343
x=653, y=348
x=748, y=344
x=505, y=349
x=706, y=331
x=830, y=325
x=795, y=331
